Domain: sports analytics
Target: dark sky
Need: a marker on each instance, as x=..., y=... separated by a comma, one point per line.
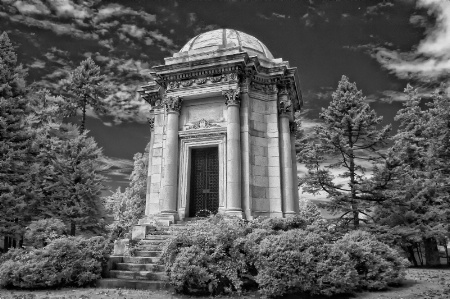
x=380, y=45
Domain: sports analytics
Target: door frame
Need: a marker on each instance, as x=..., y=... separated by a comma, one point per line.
x=189, y=140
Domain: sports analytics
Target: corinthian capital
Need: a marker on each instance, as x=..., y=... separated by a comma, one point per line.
x=172, y=104
x=232, y=96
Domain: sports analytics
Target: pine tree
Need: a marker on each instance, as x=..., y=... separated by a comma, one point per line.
x=69, y=173
x=16, y=191
x=85, y=86
x=348, y=140
x=419, y=165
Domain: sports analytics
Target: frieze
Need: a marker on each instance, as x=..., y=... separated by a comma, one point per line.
x=201, y=124
x=265, y=88
x=173, y=85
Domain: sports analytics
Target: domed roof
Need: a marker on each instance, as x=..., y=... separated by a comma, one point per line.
x=227, y=38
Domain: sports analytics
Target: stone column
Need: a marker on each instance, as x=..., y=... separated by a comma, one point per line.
x=234, y=200
x=287, y=182
x=170, y=180
x=151, y=122
x=293, y=127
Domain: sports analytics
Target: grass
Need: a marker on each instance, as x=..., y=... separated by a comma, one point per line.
x=419, y=284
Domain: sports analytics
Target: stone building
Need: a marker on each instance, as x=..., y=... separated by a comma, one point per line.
x=222, y=131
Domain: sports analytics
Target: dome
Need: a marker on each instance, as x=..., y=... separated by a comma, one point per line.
x=227, y=38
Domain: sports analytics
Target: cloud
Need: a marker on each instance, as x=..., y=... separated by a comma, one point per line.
x=67, y=8
x=39, y=64
x=378, y=9
x=430, y=60
x=31, y=7
x=117, y=10
x=133, y=30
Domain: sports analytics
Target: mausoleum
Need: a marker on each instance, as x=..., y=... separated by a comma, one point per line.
x=222, y=130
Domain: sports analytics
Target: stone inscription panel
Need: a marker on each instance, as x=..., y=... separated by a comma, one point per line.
x=212, y=111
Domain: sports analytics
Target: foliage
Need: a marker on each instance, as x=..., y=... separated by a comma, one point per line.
x=418, y=165
x=85, y=86
x=300, y=261
x=129, y=206
x=16, y=153
x=41, y=232
x=377, y=264
x=348, y=139
x=69, y=261
x=204, y=258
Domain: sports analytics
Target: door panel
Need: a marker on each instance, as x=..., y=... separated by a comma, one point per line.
x=204, y=197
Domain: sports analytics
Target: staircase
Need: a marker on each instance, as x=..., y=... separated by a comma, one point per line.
x=141, y=271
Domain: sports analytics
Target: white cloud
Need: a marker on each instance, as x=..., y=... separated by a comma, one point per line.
x=431, y=59
x=37, y=64
x=133, y=30
x=31, y=7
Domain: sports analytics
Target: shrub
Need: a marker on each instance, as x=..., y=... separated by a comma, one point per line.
x=279, y=224
x=377, y=264
x=300, y=261
x=39, y=233
x=65, y=261
x=204, y=257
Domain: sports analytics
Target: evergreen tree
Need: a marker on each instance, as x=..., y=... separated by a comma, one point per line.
x=85, y=86
x=348, y=140
x=419, y=165
x=129, y=206
x=16, y=191
x=68, y=177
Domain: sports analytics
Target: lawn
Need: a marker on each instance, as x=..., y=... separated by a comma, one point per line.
x=419, y=284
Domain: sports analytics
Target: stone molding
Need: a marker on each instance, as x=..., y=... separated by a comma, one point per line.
x=172, y=104
x=201, y=124
x=204, y=133
x=232, y=97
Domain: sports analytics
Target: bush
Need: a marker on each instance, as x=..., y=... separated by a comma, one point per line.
x=41, y=232
x=301, y=261
x=377, y=264
x=64, y=262
x=204, y=257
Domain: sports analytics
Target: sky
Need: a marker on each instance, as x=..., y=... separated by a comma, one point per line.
x=380, y=45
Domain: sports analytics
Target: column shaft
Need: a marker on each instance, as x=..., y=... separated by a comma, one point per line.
x=149, y=173
x=234, y=197
x=287, y=181
x=170, y=186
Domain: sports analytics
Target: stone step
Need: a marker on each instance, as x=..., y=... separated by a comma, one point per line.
x=133, y=284
x=140, y=260
x=139, y=267
x=139, y=275
x=151, y=247
x=159, y=232
x=145, y=243
x=149, y=253
x=158, y=237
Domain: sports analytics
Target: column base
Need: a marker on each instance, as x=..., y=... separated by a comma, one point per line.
x=236, y=213
x=290, y=214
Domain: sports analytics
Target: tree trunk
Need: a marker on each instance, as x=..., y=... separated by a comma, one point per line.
x=72, y=228
x=412, y=256
x=83, y=117
x=431, y=252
